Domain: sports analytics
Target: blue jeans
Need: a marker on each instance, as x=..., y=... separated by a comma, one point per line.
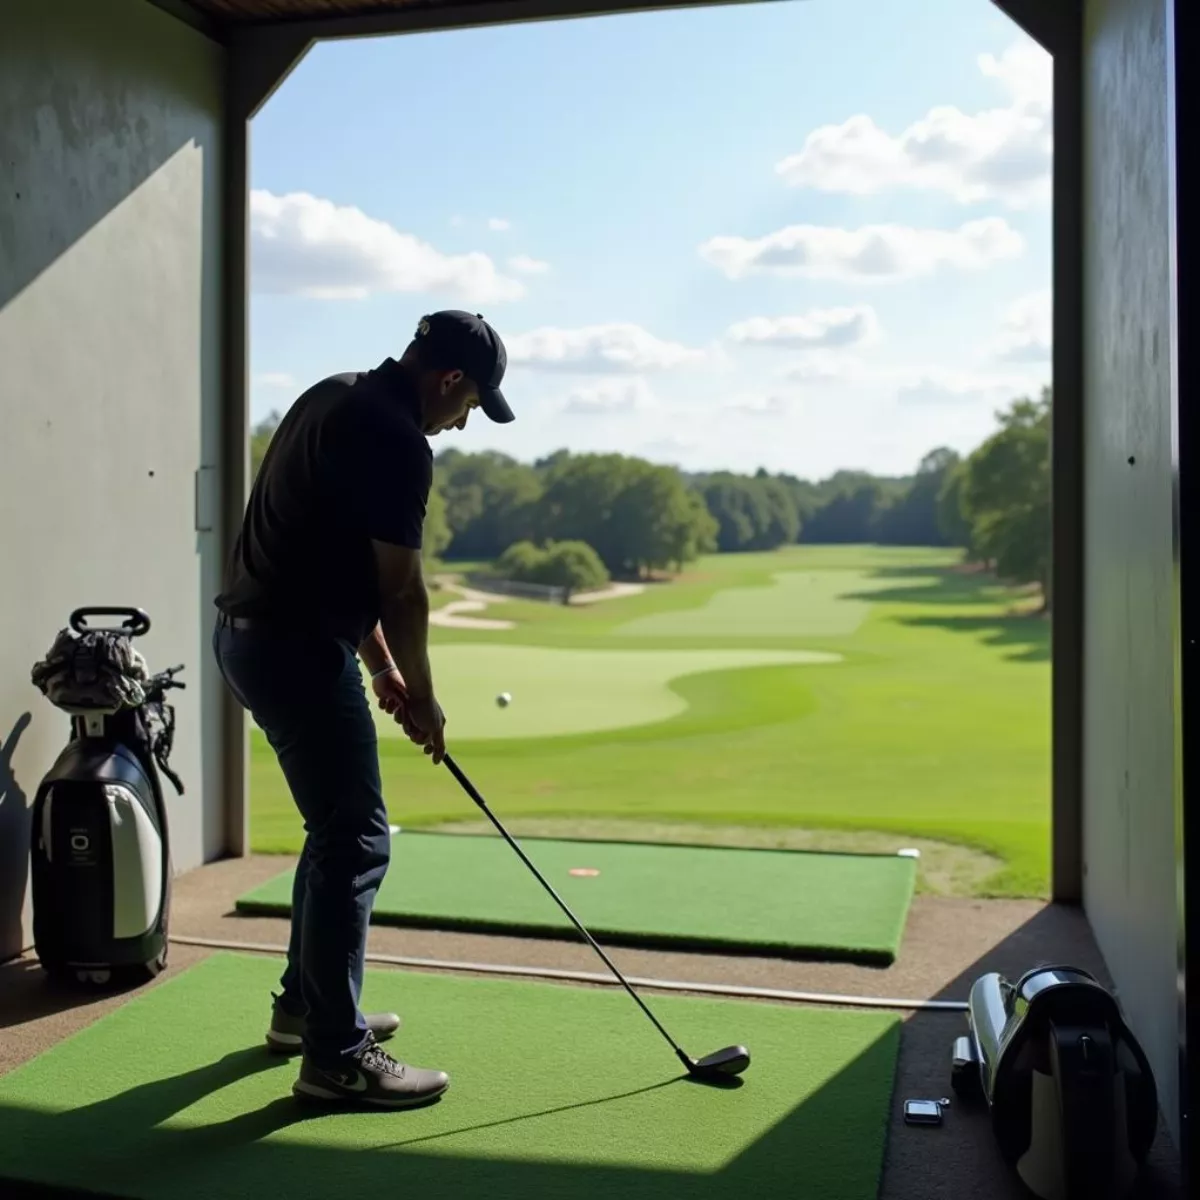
x=307, y=696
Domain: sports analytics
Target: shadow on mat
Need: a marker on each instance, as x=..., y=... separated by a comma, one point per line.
x=545, y=1112
x=150, y=1104
x=831, y=1142
x=27, y=993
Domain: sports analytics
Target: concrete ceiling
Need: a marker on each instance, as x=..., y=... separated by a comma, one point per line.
x=1054, y=23
x=260, y=12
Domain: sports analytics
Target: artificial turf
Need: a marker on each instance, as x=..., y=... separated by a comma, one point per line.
x=935, y=724
x=835, y=907
x=556, y=1090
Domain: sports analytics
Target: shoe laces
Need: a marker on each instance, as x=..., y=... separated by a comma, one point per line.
x=375, y=1057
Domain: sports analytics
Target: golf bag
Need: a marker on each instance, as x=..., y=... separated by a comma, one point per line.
x=1072, y=1100
x=100, y=867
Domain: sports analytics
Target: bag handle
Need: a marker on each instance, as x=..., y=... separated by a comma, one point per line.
x=136, y=624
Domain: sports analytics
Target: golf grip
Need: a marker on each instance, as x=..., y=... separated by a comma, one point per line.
x=469, y=788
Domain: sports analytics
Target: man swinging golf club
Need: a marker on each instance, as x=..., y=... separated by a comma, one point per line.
x=327, y=569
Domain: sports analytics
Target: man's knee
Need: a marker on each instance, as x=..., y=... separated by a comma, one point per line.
x=350, y=844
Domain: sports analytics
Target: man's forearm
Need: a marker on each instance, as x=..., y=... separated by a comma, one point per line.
x=405, y=626
x=374, y=651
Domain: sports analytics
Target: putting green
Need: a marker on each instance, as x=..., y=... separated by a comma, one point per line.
x=558, y=692
x=829, y=906
x=555, y=1091
x=795, y=604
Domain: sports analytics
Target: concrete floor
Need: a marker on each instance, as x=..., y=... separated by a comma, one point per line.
x=948, y=944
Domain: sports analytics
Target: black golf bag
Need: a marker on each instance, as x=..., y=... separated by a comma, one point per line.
x=101, y=867
x=1070, y=1092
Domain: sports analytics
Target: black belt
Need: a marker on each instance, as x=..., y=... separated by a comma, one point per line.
x=242, y=622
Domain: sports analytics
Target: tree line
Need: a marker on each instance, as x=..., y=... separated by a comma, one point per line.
x=640, y=517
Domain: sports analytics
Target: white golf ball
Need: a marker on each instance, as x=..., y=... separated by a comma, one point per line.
x=504, y=699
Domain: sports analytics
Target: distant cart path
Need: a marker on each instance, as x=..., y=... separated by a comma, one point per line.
x=454, y=615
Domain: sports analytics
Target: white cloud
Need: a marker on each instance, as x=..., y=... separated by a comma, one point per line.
x=1026, y=329
x=938, y=386
x=823, y=367
x=307, y=246
x=873, y=253
x=598, y=349
x=909, y=384
x=1001, y=154
x=275, y=379
x=819, y=328
x=761, y=406
x=498, y=224
x=611, y=397
x=673, y=449
x=522, y=264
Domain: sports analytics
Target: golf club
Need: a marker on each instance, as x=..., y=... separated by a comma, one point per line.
x=721, y=1064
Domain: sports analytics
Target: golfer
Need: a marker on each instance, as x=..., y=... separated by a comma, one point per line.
x=327, y=570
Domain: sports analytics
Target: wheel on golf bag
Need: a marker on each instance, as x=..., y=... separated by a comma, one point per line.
x=100, y=857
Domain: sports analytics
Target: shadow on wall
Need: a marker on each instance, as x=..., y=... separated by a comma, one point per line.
x=14, y=838
x=91, y=117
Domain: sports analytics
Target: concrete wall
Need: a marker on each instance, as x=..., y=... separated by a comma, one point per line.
x=1129, y=828
x=110, y=137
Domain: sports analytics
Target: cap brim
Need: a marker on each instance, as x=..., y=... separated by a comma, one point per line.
x=494, y=405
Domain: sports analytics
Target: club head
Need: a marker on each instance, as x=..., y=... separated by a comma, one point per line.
x=721, y=1064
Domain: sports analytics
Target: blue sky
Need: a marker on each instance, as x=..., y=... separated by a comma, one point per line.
x=805, y=235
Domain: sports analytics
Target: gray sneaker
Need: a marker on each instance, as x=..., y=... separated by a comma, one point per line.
x=286, y=1032
x=373, y=1077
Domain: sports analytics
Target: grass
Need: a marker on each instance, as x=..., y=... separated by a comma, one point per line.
x=559, y=691
x=936, y=724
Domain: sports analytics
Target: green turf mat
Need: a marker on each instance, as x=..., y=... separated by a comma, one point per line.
x=830, y=906
x=555, y=1090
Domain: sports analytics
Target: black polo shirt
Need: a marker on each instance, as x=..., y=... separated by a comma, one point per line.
x=348, y=463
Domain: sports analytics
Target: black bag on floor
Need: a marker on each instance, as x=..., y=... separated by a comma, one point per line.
x=100, y=866
x=1070, y=1091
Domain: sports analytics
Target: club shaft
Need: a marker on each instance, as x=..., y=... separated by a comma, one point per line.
x=469, y=788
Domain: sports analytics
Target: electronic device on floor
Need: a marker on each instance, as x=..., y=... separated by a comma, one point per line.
x=925, y=1112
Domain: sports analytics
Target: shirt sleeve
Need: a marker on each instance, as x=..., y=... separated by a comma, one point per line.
x=388, y=473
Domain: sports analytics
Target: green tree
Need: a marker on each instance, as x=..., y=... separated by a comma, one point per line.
x=911, y=517
x=520, y=561
x=658, y=520
x=635, y=514
x=1006, y=494
x=952, y=523
x=491, y=501
x=436, y=535
x=572, y=565
x=260, y=439
x=742, y=509
x=849, y=515
x=695, y=533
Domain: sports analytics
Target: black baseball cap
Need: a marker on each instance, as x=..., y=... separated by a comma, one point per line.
x=466, y=341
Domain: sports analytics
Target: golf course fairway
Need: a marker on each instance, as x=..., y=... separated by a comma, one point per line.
x=845, y=688
x=575, y=691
